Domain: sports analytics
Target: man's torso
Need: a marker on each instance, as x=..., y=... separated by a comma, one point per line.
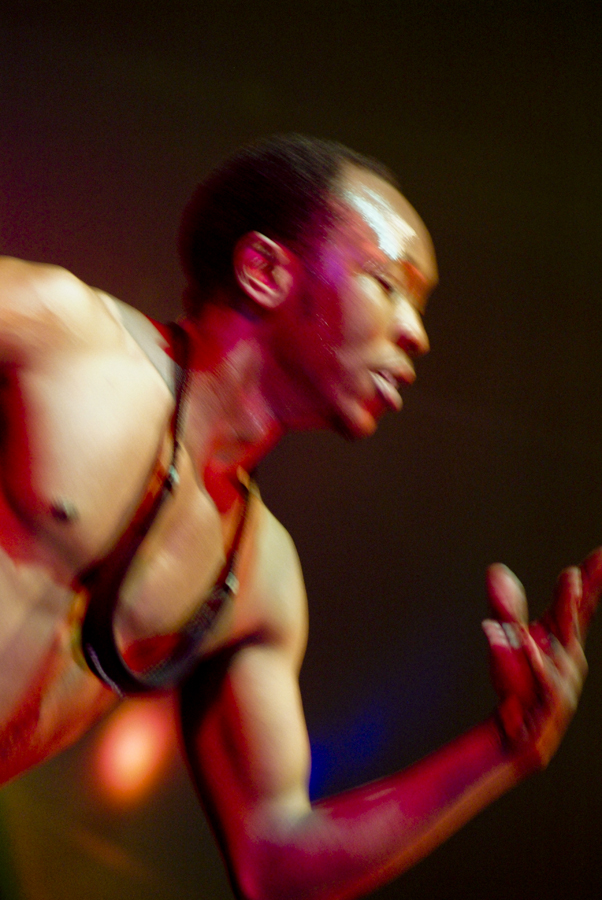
x=84, y=428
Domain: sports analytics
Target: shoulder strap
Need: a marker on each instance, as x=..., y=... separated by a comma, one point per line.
x=102, y=581
x=154, y=339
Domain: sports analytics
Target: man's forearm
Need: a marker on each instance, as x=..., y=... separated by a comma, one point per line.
x=354, y=842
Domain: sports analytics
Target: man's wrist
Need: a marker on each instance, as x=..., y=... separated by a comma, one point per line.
x=516, y=740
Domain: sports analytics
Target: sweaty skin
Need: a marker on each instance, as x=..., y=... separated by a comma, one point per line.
x=325, y=343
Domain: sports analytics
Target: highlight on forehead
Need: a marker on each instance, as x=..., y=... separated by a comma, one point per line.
x=394, y=234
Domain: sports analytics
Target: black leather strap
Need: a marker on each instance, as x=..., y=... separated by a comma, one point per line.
x=103, y=580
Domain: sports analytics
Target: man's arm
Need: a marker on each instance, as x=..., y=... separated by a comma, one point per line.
x=248, y=748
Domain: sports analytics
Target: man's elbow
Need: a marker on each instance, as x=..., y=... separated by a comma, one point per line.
x=258, y=882
x=269, y=870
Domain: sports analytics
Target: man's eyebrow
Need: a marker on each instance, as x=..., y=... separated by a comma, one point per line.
x=418, y=282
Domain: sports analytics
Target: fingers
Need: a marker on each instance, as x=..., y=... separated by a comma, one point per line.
x=506, y=595
x=576, y=598
x=559, y=671
x=510, y=668
x=575, y=601
x=591, y=574
x=562, y=619
x=542, y=657
x=530, y=663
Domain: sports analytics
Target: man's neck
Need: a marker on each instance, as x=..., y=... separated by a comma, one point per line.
x=230, y=424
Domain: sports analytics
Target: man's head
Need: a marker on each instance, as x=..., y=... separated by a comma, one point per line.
x=338, y=265
x=280, y=187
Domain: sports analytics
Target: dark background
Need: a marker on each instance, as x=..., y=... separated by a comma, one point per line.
x=490, y=112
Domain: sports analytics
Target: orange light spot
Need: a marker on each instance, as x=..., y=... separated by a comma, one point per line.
x=133, y=750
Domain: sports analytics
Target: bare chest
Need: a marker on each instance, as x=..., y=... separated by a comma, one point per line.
x=80, y=440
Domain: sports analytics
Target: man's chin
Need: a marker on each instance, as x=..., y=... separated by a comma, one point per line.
x=356, y=423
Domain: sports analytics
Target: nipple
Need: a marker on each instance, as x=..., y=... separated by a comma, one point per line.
x=63, y=511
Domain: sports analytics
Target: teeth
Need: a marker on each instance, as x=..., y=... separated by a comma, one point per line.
x=387, y=388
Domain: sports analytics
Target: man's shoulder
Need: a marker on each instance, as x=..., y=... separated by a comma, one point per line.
x=44, y=306
x=280, y=582
x=40, y=285
x=278, y=542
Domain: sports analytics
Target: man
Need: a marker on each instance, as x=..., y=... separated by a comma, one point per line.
x=125, y=485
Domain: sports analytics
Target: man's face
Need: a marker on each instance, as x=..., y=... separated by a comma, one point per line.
x=359, y=323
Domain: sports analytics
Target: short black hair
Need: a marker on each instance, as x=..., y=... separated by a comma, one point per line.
x=280, y=186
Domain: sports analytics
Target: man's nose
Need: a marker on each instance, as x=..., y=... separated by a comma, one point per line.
x=410, y=333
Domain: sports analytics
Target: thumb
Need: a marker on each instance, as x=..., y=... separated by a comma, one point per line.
x=506, y=594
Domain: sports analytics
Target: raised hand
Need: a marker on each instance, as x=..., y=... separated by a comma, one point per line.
x=538, y=669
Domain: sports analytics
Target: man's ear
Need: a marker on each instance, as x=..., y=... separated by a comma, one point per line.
x=264, y=269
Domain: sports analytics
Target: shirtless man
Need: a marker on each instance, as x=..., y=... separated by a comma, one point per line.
x=308, y=278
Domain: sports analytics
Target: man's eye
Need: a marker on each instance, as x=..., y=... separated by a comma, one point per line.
x=385, y=285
